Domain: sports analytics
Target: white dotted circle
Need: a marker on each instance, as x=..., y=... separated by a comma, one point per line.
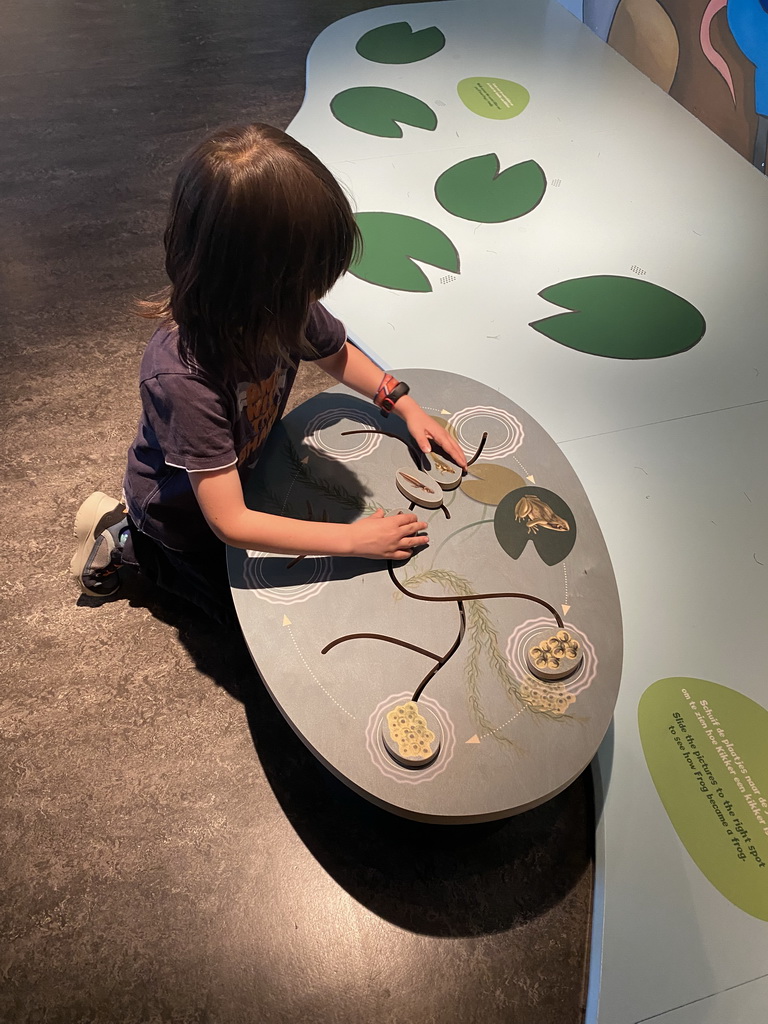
x=256, y=572
x=342, y=449
x=511, y=428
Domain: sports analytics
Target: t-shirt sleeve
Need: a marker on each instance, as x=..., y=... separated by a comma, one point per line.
x=189, y=419
x=324, y=332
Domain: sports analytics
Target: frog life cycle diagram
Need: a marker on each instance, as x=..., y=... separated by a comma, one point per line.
x=476, y=679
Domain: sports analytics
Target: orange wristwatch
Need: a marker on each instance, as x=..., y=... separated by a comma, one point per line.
x=388, y=393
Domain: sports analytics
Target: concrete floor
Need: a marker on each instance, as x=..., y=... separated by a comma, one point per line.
x=170, y=851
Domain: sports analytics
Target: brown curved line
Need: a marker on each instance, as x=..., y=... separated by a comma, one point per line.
x=476, y=456
x=386, y=433
x=379, y=636
x=411, y=449
x=447, y=514
x=470, y=597
x=446, y=657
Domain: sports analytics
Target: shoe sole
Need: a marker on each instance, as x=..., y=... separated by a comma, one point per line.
x=97, y=513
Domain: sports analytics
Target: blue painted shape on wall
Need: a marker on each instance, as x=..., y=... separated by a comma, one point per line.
x=748, y=22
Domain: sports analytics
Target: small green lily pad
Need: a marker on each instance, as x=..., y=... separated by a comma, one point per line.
x=497, y=98
x=391, y=242
x=621, y=317
x=477, y=189
x=378, y=111
x=399, y=44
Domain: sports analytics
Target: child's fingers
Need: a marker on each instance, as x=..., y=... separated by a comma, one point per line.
x=405, y=551
x=453, y=449
x=410, y=538
x=447, y=443
x=409, y=520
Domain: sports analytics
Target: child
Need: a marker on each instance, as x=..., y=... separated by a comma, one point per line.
x=258, y=231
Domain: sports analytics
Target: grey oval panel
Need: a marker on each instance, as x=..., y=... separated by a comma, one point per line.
x=342, y=642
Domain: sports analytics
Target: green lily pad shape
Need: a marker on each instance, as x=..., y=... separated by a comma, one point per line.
x=399, y=44
x=493, y=482
x=391, y=242
x=621, y=317
x=535, y=514
x=476, y=189
x=497, y=98
x=377, y=111
x=705, y=748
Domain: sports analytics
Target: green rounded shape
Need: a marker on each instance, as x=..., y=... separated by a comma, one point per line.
x=497, y=98
x=553, y=540
x=621, y=317
x=399, y=44
x=705, y=748
x=391, y=242
x=476, y=189
x=377, y=111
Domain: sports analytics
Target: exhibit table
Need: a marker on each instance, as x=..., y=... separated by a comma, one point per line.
x=473, y=681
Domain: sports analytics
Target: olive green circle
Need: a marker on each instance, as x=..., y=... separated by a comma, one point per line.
x=496, y=98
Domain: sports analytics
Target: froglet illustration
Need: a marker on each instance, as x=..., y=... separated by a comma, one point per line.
x=538, y=513
x=440, y=465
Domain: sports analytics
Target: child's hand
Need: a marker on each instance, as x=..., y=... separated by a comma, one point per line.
x=382, y=536
x=423, y=429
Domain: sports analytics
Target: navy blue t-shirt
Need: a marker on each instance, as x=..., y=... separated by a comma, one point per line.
x=193, y=420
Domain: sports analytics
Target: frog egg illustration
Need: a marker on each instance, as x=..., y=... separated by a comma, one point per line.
x=411, y=735
x=553, y=656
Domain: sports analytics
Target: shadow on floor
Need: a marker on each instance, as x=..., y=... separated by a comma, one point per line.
x=441, y=880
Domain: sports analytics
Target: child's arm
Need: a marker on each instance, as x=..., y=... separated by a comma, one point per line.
x=220, y=496
x=353, y=368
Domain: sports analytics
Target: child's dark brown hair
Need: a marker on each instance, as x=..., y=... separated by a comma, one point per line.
x=258, y=229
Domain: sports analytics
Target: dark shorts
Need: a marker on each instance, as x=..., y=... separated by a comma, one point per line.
x=199, y=577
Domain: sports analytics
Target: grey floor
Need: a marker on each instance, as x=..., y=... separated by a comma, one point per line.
x=170, y=851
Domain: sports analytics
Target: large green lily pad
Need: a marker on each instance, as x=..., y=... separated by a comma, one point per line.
x=391, y=242
x=378, y=111
x=477, y=189
x=621, y=317
x=399, y=44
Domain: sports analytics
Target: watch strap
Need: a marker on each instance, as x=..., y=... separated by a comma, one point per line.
x=389, y=391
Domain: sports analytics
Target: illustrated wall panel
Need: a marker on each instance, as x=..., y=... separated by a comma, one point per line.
x=710, y=55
